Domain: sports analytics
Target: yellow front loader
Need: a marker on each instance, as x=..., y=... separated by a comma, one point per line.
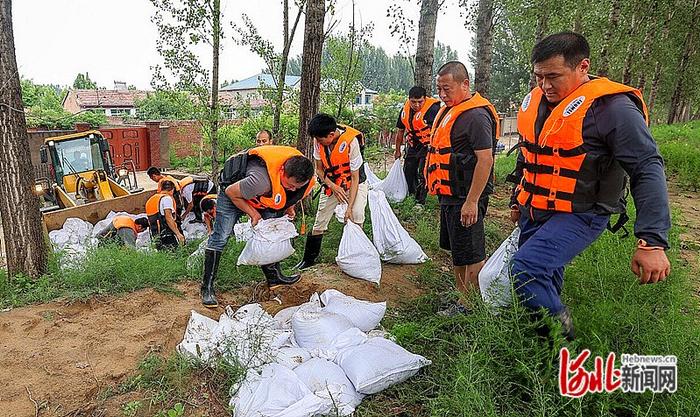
x=82, y=181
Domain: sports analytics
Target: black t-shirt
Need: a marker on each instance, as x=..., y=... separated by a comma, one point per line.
x=415, y=147
x=474, y=130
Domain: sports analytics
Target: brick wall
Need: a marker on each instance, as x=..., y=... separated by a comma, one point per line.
x=184, y=136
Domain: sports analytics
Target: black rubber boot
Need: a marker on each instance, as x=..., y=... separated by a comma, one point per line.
x=311, y=251
x=567, y=324
x=211, y=266
x=275, y=277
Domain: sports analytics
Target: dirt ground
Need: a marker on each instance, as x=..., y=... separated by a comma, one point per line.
x=58, y=357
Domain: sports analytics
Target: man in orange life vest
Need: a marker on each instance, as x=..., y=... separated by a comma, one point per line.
x=123, y=229
x=580, y=135
x=338, y=158
x=459, y=170
x=208, y=209
x=157, y=176
x=160, y=209
x=414, y=123
x=263, y=182
x=192, y=190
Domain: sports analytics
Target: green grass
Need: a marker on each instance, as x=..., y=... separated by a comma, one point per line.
x=680, y=146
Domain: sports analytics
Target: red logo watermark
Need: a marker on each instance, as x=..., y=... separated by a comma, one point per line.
x=637, y=374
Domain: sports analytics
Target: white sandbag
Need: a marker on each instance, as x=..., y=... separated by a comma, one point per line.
x=276, y=392
x=249, y=337
x=270, y=242
x=193, y=231
x=197, y=341
x=494, y=278
x=364, y=315
x=291, y=356
x=357, y=256
x=394, y=185
x=73, y=241
x=284, y=316
x=339, y=211
x=327, y=380
x=313, y=327
x=392, y=241
x=378, y=364
x=348, y=338
x=371, y=178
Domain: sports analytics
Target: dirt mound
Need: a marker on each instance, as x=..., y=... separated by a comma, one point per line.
x=65, y=355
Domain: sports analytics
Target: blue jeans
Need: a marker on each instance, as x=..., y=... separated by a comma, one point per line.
x=544, y=249
x=227, y=215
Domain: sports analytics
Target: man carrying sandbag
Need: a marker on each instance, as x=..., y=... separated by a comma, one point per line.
x=263, y=182
x=339, y=164
x=414, y=124
x=459, y=170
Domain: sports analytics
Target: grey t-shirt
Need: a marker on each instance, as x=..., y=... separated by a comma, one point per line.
x=474, y=130
x=256, y=181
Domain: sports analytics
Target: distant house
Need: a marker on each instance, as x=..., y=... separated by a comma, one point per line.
x=115, y=103
x=249, y=92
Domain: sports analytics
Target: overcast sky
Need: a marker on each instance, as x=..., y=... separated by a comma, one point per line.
x=115, y=39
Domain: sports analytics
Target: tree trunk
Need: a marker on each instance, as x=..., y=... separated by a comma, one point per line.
x=310, y=90
x=214, y=113
x=484, y=47
x=284, y=59
x=629, y=55
x=674, y=110
x=642, y=81
x=604, y=60
x=657, y=68
x=540, y=30
x=25, y=249
x=425, y=44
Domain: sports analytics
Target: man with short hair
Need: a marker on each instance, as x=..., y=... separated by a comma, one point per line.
x=339, y=164
x=157, y=176
x=580, y=137
x=414, y=123
x=123, y=230
x=264, y=137
x=192, y=190
x=459, y=170
x=208, y=208
x=263, y=182
x=160, y=209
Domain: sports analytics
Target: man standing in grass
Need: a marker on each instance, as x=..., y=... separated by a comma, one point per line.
x=580, y=137
x=459, y=170
x=414, y=124
x=264, y=182
x=339, y=164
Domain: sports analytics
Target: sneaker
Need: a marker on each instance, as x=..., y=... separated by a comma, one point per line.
x=454, y=310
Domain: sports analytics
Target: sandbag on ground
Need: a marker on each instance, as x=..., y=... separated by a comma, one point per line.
x=378, y=364
x=327, y=380
x=364, y=315
x=357, y=256
x=276, y=392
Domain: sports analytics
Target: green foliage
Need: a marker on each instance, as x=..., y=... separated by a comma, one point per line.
x=44, y=108
x=167, y=104
x=680, y=147
x=383, y=115
x=83, y=82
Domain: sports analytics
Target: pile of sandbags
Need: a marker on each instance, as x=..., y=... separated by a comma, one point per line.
x=193, y=231
x=315, y=359
x=73, y=241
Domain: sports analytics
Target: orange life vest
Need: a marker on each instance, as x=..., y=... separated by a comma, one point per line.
x=156, y=221
x=171, y=179
x=446, y=171
x=201, y=186
x=274, y=157
x=558, y=173
x=336, y=161
x=415, y=126
x=121, y=222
